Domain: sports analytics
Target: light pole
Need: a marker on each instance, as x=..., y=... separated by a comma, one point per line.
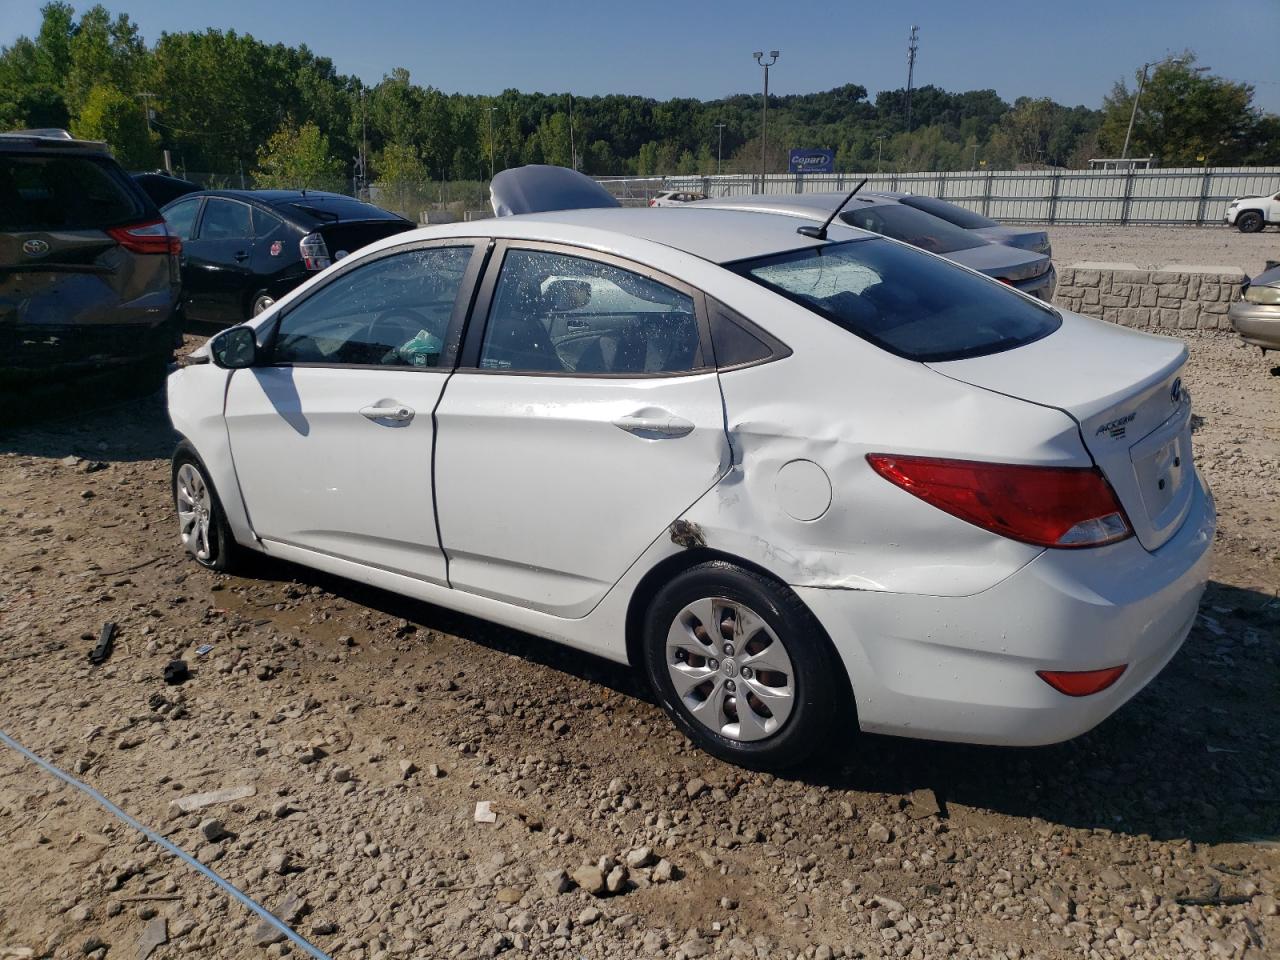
x=720, y=148
x=573, y=151
x=764, y=110
x=1142, y=82
x=491, y=110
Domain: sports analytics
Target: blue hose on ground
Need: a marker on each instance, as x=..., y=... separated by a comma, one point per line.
x=154, y=837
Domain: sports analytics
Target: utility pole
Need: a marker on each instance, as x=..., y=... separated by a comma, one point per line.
x=913, y=40
x=975, y=155
x=720, y=148
x=1142, y=82
x=573, y=150
x=364, y=142
x=879, y=152
x=491, y=109
x=764, y=110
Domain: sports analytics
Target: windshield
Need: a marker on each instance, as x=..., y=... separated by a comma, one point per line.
x=914, y=306
x=911, y=226
x=965, y=219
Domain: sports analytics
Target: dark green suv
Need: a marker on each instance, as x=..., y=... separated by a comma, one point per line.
x=89, y=272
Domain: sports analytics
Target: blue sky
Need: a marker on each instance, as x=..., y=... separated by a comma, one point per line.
x=1071, y=51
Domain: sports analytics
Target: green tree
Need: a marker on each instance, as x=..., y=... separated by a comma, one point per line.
x=110, y=115
x=296, y=157
x=1184, y=114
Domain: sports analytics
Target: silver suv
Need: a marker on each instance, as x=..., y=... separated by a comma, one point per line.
x=89, y=272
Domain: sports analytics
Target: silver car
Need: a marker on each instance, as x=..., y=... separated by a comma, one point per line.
x=1256, y=315
x=1028, y=238
x=1024, y=270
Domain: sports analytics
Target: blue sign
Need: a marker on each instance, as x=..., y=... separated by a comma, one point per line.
x=812, y=161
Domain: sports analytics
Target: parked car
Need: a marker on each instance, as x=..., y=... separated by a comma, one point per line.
x=1252, y=214
x=1029, y=272
x=88, y=269
x=1028, y=238
x=1256, y=315
x=164, y=188
x=244, y=249
x=807, y=485
x=674, y=198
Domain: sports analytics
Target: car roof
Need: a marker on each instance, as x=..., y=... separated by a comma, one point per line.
x=809, y=205
x=51, y=140
x=290, y=203
x=274, y=197
x=720, y=236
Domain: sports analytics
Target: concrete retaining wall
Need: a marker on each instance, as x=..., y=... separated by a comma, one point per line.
x=1175, y=297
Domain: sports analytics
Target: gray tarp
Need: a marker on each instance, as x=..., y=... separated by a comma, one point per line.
x=537, y=188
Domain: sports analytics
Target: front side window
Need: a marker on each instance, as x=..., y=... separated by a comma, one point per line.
x=555, y=313
x=226, y=220
x=915, y=306
x=912, y=226
x=392, y=312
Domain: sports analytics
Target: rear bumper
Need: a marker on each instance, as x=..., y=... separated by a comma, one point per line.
x=1042, y=286
x=1257, y=323
x=964, y=668
x=37, y=353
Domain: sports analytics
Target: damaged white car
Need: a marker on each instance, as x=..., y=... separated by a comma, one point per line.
x=809, y=481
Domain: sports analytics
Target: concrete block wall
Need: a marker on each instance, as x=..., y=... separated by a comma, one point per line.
x=1174, y=297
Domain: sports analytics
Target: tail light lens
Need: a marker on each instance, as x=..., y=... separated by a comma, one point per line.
x=1066, y=507
x=1081, y=683
x=315, y=253
x=150, y=237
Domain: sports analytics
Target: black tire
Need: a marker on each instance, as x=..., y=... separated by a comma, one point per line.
x=819, y=698
x=260, y=302
x=223, y=554
x=1250, y=221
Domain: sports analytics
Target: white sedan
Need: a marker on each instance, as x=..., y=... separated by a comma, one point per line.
x=808, y=484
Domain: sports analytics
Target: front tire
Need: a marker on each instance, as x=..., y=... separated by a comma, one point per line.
x=743, y=668
x=1250, y=221
x=202, y=523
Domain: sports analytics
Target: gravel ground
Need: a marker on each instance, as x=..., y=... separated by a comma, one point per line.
x=364, y=729
x=1158, y=246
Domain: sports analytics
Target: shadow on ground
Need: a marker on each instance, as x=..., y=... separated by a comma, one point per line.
x=1193, y=756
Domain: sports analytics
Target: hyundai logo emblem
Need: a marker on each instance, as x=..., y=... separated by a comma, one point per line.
x=1175, y=392
x=35, y=248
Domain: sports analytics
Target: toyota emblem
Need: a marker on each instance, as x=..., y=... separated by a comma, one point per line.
x=35, y=248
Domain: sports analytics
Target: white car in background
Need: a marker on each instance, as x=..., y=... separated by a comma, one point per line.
x=675, y=198
x=1252, y=214
x=809, y=483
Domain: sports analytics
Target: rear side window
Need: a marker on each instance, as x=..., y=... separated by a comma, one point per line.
x=962, y=218
x=66, y=193
x=912, y=226
x=181, y=217
x=917, y=307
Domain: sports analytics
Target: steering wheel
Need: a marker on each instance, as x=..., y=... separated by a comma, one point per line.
x=395, y=326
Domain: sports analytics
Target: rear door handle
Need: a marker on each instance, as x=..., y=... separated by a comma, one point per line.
x=390, y=412
x=241, y=256
x=655, y=426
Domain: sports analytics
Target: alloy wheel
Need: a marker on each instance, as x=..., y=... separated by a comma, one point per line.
x=195, y=512
x=730, y=669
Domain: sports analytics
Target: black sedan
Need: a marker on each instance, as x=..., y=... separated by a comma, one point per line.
x=243, y=249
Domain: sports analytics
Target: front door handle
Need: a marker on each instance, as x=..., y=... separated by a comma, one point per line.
x=388, y=412
x=241, y=256
x=657, y=425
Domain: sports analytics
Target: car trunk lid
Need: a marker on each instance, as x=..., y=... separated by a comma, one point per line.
x=1124, y=389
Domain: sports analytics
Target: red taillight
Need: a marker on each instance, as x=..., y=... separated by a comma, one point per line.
x=1081, y=683
x=1006, y=281
x=1047, y=506
x=314, y=252
x=150, y=237
x=653, y=203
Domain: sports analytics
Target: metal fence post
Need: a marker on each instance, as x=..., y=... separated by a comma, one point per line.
x=942, y=184
x=986, y=194
x=1128, y=195
x=1053, y=197
x=1204, y=197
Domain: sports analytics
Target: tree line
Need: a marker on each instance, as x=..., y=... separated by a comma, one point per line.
x=225, y=102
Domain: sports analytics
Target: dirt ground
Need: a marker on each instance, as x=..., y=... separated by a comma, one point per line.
x=1159, y=246
x=366, y=728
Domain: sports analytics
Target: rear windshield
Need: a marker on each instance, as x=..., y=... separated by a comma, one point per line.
x=912, y=226
x=339, y=208
x=965, y=219
x=917, y=307
x=41, y=192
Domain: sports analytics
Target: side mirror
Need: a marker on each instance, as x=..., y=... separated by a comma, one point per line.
x=234, y=349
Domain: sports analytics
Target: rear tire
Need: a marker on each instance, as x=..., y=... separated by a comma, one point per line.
x=260, y=303
x=1250, y=221
x=759, y=685
x=202, y=523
